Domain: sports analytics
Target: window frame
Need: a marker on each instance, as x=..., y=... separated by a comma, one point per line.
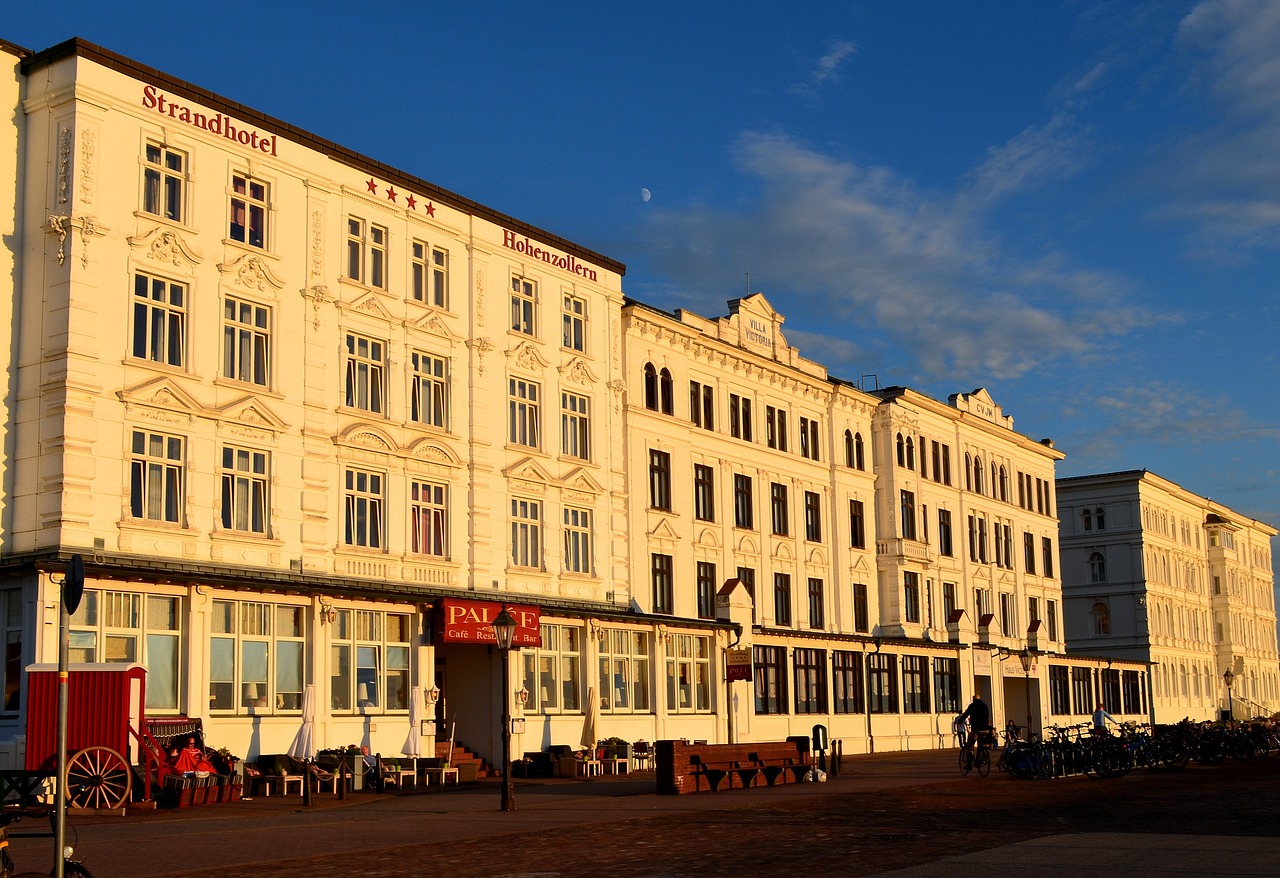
x=429, y=518
x=160, y=175
x=161, y=318
x=245, y=477
x=249, y=203
x=524, y=305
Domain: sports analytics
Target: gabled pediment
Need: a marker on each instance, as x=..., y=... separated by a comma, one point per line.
x=252, y=273
x=580, y=480
x=254, y=412
x=577, y=371
x=860, y=565
x=664, y=531
x=162, y=393
x=528, y=470
x=369, y=306
x=527, y=356
x=432, y=324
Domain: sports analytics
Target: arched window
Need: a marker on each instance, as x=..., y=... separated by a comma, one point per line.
x=1099, y=517
x=902, y=451
x=667, y=393
x=1004, y=484
x=1101, y=618
x=911, y=454
x=848, y=450
x=650, y=387
x=1097, y=568
x=977, y=474
x=1087, y=515
x=859, y=462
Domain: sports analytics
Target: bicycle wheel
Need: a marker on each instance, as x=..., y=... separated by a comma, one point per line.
x=966, y=761
x=983, y=760
x=75, y=870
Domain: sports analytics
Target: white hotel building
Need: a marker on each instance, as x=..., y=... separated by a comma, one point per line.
x=311, y=420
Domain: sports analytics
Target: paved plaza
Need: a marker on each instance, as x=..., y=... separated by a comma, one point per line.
x=886, y=815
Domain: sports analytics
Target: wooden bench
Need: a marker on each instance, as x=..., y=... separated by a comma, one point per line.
x=682, y=767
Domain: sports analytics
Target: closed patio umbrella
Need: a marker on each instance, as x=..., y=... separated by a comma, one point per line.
x=413, y=743
x=590, y=720
x=304, y=745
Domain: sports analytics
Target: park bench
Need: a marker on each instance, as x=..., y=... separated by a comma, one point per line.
x=684, y=767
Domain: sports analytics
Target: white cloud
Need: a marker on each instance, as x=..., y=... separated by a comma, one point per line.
x=848, y=250
x=826, y=70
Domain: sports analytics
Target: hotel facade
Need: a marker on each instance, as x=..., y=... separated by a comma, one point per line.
x=312, y=421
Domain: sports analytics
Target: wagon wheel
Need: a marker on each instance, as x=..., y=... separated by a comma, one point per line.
x=98, y=777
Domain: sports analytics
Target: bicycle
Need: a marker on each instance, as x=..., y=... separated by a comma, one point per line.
x=979, y=758
x=70, y=868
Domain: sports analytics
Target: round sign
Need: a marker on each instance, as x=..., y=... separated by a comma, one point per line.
x=73, y=584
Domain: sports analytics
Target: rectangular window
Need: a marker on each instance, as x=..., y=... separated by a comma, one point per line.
x=379, y=643
x=1131, y=689
x=882, y=674
x=663, y=583
x=911, y=597
x=704, y=492
x=817, y=604
x=775, y=428
x=245, y=476
x=440, y=277
x=702, y=405
x=813, y=516
x=524, y=297
x=1081, y=691
x=553, y=671
x=429, y=519
x=364, y=519
x=857, y=525
x=949, y=600
x=846, y=680
x=782, y=598
x=1109, y=680
x=246, y=342
x=946, y=465
x=743, y=513
x=164, y=179
x=159, y=320
x=526, y=533
x=706, y=590
x=779, y=516
x=810, y=680
x=1007, y=530
x=11, y=613
x=157, y=482
x=945, y=542
x=575, y=426
x=367, y=253
x=809, y=438
x=1059, y=690
x=366, y=376
x=946, y=685
x=524, y=413
x=256, y=654
x=111, y=626
x=659, y=479
x=740, y=417
x=861, y=610
x=771, y=679
x=249, y=210
x=915, y=684
x=908, y=507
x=1046, y=545
x=747, y=576
x=624, y=672
x=1008, y=614
x=429, y=390
x=1051, y=619
x=689, y=674
x=1029, y=552
x=574, y=320
x=578, y=556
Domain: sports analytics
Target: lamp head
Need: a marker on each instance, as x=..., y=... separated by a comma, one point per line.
x=504, y=628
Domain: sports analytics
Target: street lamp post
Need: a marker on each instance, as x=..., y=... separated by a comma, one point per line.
x=1025, y=658
x=504, y=629
x=1229, y=678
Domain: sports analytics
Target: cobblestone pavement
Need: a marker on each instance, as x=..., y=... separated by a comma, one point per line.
x=884, y=813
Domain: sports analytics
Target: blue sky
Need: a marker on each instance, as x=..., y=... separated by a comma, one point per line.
x=1073, y=204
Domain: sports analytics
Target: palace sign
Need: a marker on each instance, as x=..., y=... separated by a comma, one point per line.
x=472, y=622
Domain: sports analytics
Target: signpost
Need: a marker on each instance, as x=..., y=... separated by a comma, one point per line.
x=72, y=592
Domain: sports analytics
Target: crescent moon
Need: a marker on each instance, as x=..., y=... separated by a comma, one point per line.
x=645, y=195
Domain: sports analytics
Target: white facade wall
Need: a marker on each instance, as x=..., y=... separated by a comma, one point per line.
x=1155, y=573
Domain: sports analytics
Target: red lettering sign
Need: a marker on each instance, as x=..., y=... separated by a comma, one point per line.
x=472, y=622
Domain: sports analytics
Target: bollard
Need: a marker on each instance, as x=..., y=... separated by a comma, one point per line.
x=308, y=779
x=342, y=778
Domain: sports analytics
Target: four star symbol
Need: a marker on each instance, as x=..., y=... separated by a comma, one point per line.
x=412, y=203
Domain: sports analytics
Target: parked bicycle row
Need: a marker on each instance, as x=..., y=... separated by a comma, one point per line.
x=1082, y=749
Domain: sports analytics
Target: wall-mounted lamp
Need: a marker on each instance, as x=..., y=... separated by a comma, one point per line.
x=432, y=695
x=327, y=612
x=522, y=696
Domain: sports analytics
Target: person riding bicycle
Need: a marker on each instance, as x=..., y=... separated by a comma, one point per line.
x=979, y=718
